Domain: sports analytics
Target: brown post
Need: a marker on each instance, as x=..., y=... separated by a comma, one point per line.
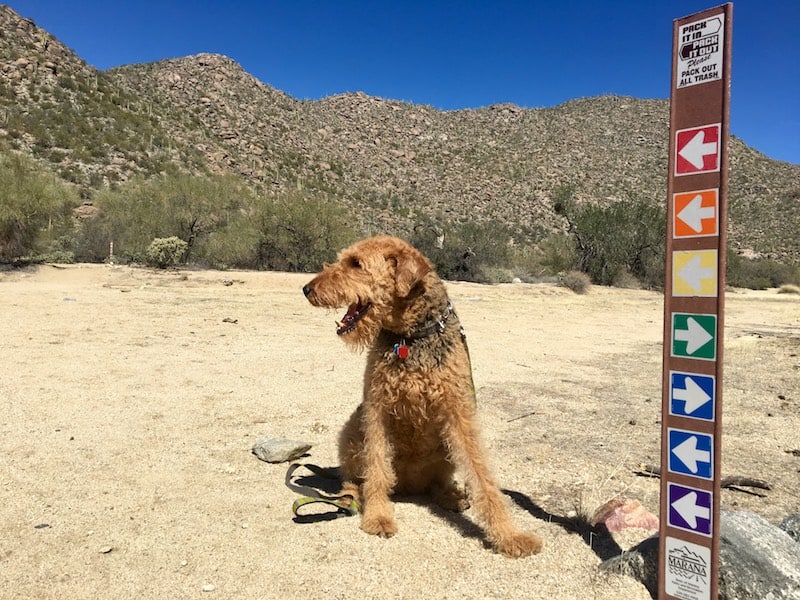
x=694, y=294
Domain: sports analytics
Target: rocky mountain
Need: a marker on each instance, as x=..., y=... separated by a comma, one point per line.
x=389, y=161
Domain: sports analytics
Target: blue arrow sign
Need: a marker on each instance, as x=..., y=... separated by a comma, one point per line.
x=691, y=395
x=689, y=508
x=690, y=453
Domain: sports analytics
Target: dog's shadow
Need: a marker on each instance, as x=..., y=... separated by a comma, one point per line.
x=330, y=484
x=327, y=482
x=598, y=538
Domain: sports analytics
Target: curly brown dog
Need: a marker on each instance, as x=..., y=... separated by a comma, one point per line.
x=417, y=422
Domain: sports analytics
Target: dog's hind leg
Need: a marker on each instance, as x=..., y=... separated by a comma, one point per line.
x=463, y=443
x=450, y=496
x=351, y=444
x=443, y=488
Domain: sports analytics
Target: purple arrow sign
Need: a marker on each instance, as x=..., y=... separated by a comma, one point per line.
x=689, y=508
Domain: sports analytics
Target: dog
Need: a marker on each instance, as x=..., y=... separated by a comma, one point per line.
x=416, y=424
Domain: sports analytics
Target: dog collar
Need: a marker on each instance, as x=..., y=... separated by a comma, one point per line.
x=433, y=325
x=401, y=350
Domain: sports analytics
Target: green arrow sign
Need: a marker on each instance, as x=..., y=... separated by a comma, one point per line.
x=694, y=336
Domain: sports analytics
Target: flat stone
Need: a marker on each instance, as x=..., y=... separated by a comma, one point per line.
x=278, y=450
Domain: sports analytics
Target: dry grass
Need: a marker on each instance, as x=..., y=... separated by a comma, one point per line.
x=577, y=281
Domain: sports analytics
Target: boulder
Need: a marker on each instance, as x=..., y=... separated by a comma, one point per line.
x=757, y=559
x=791, y=525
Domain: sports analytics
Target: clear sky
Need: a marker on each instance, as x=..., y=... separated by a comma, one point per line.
x=453, y=54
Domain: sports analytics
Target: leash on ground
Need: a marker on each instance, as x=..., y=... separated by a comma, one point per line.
x=346, y=505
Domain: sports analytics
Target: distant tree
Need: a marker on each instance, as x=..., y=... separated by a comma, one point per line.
x=188, y=207
x=464, y=251
x=299, y=231
x=35, y=207
x=624, y=237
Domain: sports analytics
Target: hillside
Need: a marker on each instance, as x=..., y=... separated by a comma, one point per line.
x=390, y=161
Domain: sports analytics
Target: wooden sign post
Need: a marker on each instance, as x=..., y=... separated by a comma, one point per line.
x=694, y=295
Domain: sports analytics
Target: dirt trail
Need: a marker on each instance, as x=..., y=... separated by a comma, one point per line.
x=130, y=401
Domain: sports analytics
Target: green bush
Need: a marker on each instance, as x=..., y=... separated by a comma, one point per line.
x=184, y=206
x=299, y=231
x=166, y=252
x=553, y=255
x=59, y=257
x=627, y=235
x=35, y=208
x=759, y=274
x=466, y=251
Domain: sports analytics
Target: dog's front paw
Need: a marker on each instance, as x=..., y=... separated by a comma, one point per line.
x=380, y=525
x=519, y=545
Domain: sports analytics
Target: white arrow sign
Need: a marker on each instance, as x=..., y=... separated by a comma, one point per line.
x=693, y=213
x=693, y=395
x=695, y=336
x=689, y=510
x=693, y=273
x=689, y=455
x=697, y=148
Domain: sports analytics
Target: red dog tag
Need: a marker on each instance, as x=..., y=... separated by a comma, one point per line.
x=400, y=350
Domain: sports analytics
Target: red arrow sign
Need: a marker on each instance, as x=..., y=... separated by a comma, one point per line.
x=697, y=150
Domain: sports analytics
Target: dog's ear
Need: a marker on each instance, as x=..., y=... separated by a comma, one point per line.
x=411, y=268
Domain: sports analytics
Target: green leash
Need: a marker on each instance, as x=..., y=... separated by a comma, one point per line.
x=346, y=505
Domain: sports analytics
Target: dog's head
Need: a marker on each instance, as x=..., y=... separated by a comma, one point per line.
x=376, y=279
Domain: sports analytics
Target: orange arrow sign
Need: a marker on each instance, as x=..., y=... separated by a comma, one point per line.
x=696, y=214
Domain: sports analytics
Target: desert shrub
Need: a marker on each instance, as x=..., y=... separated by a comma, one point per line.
x=188, y=207
x=495, y=274
x=299, y=231
x=759, y=274
x=92, y=237
x=626, y=235
x=788, y=288
x=60, y=257
x=466, y=251
x=577, y=281
x=627, y=281
x=557, y=253
x=166, y=252
x=35, y=207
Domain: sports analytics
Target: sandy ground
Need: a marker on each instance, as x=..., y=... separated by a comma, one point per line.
x=129, y=407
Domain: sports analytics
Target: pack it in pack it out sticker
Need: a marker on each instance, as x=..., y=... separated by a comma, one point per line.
x=700, y=52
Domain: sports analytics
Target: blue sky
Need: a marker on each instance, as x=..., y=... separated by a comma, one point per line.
x=453, y=55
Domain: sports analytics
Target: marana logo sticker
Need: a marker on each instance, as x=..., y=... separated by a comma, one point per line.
x=685, y=564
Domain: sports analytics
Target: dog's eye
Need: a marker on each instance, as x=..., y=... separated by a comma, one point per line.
x=355, y=263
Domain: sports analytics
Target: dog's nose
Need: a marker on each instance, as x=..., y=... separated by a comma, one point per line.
x=307, y=289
